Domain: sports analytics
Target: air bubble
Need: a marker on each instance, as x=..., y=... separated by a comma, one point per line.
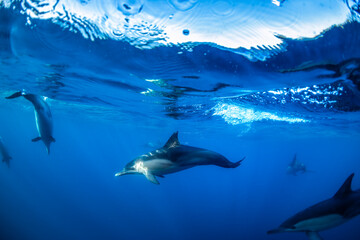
x=130, y=7
x=127, y=7
x=186, y=32
x=84, y=2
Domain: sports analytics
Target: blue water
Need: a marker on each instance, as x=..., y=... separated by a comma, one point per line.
x=261, y=79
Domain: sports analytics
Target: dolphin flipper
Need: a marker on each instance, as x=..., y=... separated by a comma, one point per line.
x=314, y=236
x=152, y=178
x=36, y=139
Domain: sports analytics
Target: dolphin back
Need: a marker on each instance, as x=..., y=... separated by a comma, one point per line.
x=193, y=156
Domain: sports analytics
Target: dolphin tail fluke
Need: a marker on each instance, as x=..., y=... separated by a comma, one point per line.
x=15, y=95
x=236, y=164
x=313, y=236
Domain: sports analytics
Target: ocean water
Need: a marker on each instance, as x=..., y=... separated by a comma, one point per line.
x=265, y=79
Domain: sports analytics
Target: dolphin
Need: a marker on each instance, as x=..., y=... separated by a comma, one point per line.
x=174, y=157
x=295, y=167
x=343, y=206
x=43, y=117
x=4, y=153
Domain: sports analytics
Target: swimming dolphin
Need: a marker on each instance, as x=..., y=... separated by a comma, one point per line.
x=4, y=153
x=295, y=167
x=174, y=157
x=343, y=206
x=43, y=117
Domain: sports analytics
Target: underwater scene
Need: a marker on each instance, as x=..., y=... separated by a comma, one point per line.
x=179, y=119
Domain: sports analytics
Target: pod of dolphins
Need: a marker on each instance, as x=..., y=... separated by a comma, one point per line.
x=175, y=157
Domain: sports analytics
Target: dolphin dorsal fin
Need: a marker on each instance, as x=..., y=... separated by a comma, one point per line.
x=173, y=141
x=345, y=188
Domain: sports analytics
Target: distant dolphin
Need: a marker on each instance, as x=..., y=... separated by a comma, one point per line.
x=4, y=153
x=295, y=167
x=43, y=117
x=343, y=206
x=174, y=157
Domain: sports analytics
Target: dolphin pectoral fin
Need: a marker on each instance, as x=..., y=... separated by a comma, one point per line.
x=152, y=178
x=52, y=139
x=313, y=236
x=36, y=139
x=15, y=95
x=162, y=176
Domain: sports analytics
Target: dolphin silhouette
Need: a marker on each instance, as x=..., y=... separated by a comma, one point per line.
x=343, y=206
x=5, y=153
x=174, y=157
x=43, y=117
x=295, y=167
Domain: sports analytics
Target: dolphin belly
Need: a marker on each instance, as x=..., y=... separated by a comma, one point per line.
x=319, y=223
x=43, y=125
x=160, y=166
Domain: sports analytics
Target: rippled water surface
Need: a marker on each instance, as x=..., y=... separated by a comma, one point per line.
x=261, y=78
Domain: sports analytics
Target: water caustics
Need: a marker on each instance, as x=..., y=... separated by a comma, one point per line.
x=242, y=61
x=235, y=25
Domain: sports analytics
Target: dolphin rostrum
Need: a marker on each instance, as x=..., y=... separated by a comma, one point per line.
x=174, y=157
x=343, y=206
x=4, y=153
x=43, y=117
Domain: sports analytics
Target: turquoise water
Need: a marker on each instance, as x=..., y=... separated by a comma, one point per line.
x=261, y=79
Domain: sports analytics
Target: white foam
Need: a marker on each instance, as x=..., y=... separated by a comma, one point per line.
x=235, y=114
